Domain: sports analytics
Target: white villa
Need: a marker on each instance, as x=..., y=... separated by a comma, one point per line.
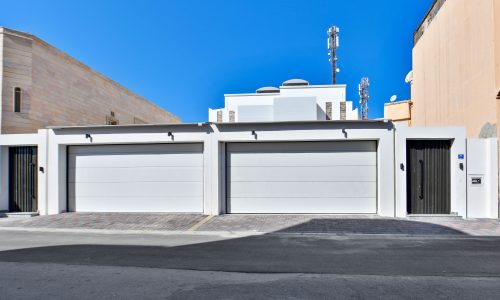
x=295, y=100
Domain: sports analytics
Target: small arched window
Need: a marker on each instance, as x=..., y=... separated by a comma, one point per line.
x=17, y=99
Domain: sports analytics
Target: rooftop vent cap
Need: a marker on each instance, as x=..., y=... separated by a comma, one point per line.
x=267, y=90
x=295, y=82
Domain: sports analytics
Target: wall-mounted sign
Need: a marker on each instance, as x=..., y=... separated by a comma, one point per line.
x=476, y=180
x=461, y=156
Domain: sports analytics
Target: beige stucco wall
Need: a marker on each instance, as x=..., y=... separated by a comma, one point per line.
x=497, y=42
x=1, y=75
x=455, y=68
x=497, y=53
x=59, y=90
x=398, y=111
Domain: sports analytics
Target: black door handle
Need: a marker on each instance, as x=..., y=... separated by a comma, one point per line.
x=421, y=185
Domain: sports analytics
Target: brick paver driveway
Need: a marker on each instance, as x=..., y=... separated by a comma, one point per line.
x=109, y=221
x=328, y=224
x=351, y=224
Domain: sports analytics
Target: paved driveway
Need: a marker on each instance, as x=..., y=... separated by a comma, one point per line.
x=108, y=221
x=328, y=224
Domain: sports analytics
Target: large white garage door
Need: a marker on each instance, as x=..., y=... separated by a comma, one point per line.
x=305, y=177
x=136, y=178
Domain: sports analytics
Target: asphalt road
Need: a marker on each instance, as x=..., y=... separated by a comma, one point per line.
x=99, y=266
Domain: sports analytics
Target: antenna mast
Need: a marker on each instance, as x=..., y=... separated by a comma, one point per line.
x=364, y=96
x=333, y=44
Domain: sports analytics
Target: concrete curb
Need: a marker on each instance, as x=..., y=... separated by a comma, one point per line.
x=237, y=234
x=128, y=231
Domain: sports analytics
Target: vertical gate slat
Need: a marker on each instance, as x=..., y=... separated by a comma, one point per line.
x=23, y=178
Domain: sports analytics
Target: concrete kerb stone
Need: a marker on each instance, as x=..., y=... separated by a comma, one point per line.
x=242, y=234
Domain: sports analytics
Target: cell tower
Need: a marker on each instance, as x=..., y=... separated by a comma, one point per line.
x=364, y=96
x=333, y=44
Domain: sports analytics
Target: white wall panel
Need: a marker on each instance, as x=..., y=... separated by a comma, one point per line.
x=295, y=108
x=255, y=113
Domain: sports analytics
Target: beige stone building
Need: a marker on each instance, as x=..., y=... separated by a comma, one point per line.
x=399, y=112
x=456, y=67
x=41, y=86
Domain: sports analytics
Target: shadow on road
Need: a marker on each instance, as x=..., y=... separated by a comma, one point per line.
x=278, y=253
x=348, y=226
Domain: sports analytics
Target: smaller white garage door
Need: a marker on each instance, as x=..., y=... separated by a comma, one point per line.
x=302, y=177
x=136, y=178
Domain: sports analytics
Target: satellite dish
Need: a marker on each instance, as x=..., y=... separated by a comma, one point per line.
x=393, y=98
x=409, y=77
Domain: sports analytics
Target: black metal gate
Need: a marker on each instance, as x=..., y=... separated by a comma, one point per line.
x=23, y=179
x=428, y=177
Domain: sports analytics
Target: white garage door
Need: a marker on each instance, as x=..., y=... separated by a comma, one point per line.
x=136, y=178
x=305, y=177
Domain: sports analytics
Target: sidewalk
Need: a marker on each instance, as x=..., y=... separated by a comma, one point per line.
x=299, y=224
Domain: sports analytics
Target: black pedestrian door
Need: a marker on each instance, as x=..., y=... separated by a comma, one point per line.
x=23, y=179
x=428, y=177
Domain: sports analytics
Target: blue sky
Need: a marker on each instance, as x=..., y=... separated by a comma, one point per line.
x=184, y=55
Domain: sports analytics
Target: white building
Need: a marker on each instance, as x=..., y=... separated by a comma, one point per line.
x=295, y=100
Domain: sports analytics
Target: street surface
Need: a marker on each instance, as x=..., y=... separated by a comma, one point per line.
x=76, y=265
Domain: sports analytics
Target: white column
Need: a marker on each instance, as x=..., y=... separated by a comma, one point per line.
x=42, y=171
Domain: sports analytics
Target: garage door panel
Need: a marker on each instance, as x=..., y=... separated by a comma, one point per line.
x=132, y=160
x=301, y=174
x=138, y=189
x=296, y=205
x=303, y=189
x=137, y=204
x=304, y=159
x=138, y=148
x=351, y=146
x=136, y=178
x=304, y=177
x=151, y=174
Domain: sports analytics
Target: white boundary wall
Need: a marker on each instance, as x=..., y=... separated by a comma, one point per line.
x=391, y=154
x=482, y=163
